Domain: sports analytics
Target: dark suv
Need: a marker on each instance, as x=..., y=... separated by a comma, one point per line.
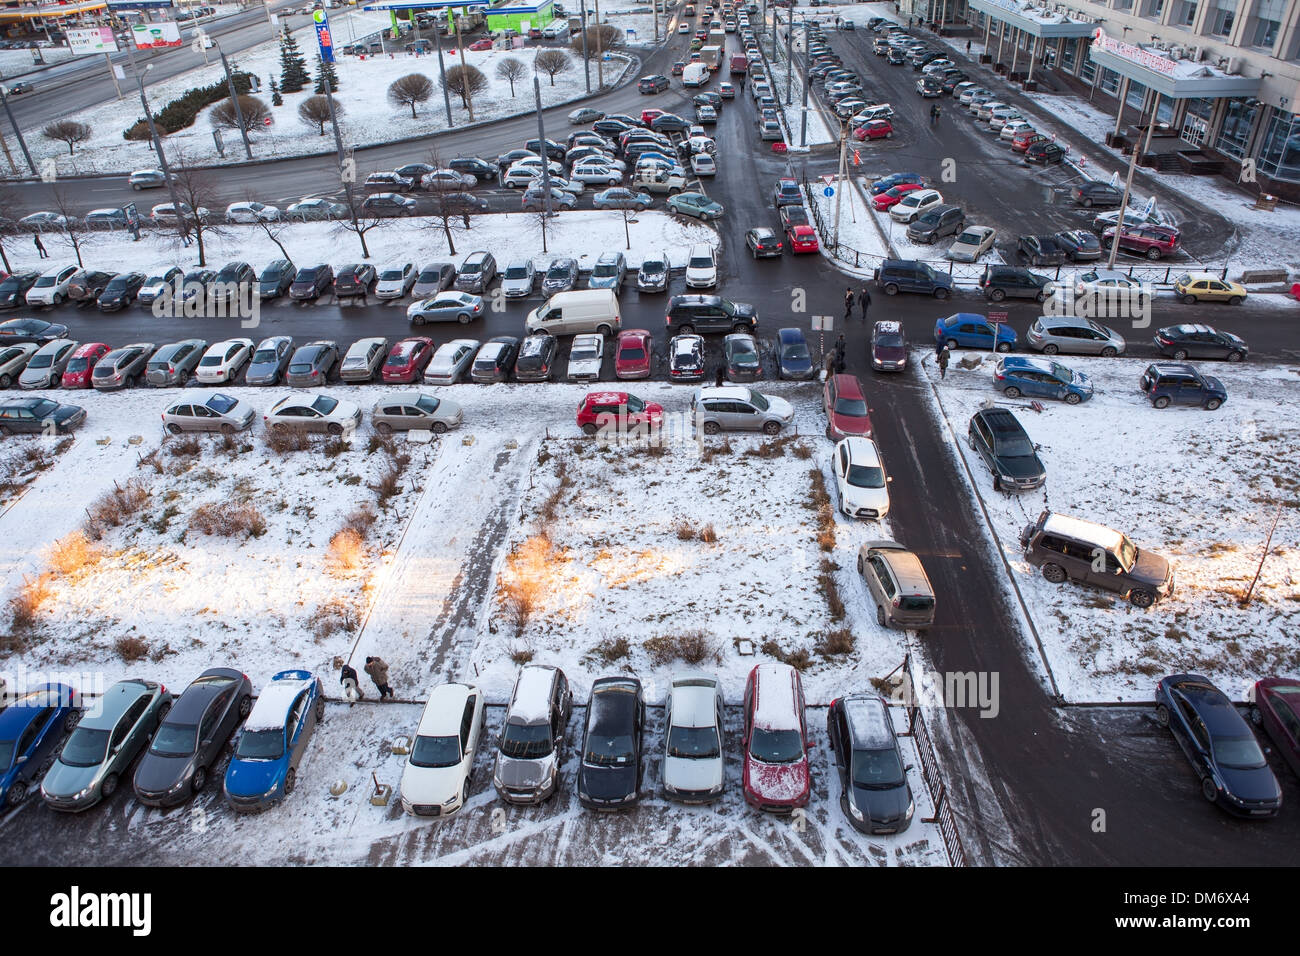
x=709, y=313
x=934, y=224
x=1074, y=549
x=1041, y=251
x=1002, y=282
x=1172, y=383
x=910, y=275
x=653, y=84
x=276, y=279
x=997, y=436
x=311, y=281
x=1097, y=194
x=1045, y=153
x=1151, y=241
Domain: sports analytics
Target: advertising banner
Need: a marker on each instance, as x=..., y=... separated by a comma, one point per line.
x=323, y=35
x=94, y=40
x=156, y=36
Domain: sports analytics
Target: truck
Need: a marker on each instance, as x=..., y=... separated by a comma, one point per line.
x=739, y=65
x=711, y=56
x=695, y=74
x=717, y=38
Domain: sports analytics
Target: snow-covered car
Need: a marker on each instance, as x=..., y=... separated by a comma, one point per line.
x=313, y=412
x=448, y=306
x=435, y=781
x=775, y=771
x=395, y=280
x=414, y=411
x=271, y=744
x=528, y=751
x=686, y=358
x=517, y=280
x=363, y=359
x=252, y=212
x=41, y=221
x=447, y=180
x=653, y=274
x=860, y=480
x=451, y=361
x=586, y=357
x=693, y=762
x=223, y=360
x=972, y=243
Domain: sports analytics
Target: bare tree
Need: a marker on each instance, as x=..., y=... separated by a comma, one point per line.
x=628, y=211
x=315, y=111
x=359, y=220
x=602, y=37
x=273, y=229
x=69, y=132
x=409, y=90
x=7, y=225
x=452, y=211
x=465, y=81
x=73, y=231
x=253, y=110
x=196, y=189
x=512, y=70
x=541, y=220
x=553, y=61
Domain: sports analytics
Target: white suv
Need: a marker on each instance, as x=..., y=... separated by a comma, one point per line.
x=52, y=287
x=701, y=267
x=435, y=782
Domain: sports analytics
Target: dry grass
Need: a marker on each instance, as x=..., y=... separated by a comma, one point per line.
x=551, y=506
x=360, y=520
x=800, y=660
x=26, y=604
x=335, y=615
x=113, y=508
x=612, y=649
x=347, y=551
x=685, y=531
x=835, y=642
x=286, y=442
x=228, y=519
x=388, y=485
x=186, y=447
x=385, y=443
x=691, y=647
x=72, y=553
x=525, y=579
x=334, y=447
x=831, y=590
x=722, y=448
x=801, y=450
x=820, y=501
x=708, y=535
x=151, y=460
x=131, y=649
x=521, y=654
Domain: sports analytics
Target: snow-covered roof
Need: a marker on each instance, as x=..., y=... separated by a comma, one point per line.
x=1083, y=530
x=889, y=326
x=273, y=704
x=444, y=710
x=532, y=701
x=693, y=700
x=868, y=722
x=776, y=708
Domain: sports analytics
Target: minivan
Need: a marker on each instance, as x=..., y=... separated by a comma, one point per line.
x=910, y=275
x=476, y=272
x=527, y=768
x=608, y=271
x=585, y=310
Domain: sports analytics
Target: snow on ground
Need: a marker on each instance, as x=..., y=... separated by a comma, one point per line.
x=1199, y=487
x=368, y=117
x=582, y=234
x=818, y=131
x=19, y=62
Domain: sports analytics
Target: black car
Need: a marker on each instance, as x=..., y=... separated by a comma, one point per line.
x=793, y=360
x=197, y=284
x=121, y=291
x=1001, y=282
x=388, y=204
x=37, y=416
x=874, y=793
x=13, y=291
x=670, y=123
x=276, y=279
x=536, y=358
x=1041, y=251
x=763, y=242
x=455, y=204
x=609, y=775
x=506, y=160
x=686, y=358
x=611, y=127
x=1220, y=745
x=495, y=368
x=709, y=313
x=653, y=84
x=998, y=437
x=1185, y=341
x=481, y=169
x=355, y=278
x=233, y=277
x=911, y=275
x=1045, y=153
x=37, y=331
x=192, y=736
x=896, y=57
x=707, y=99
x=1097, y=194
x=1079, y=244
x=952, y=79
x=553, y=149
x=87, y=284
x=1176, y=383
x=311, y=281
x=414, y=172
x=937, y=222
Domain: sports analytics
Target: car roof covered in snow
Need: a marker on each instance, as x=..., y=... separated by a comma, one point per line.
x=444, y=710
x=889, y=326
x=275, y=700
x=531, y=703
x=869, y=722
x=776, y=706
x=1083, y=530
x=693, y=700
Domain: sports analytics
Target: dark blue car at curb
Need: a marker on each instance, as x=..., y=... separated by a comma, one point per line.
x=30, y=730
x=264, y=768
x=970, y=330
x=1220, y=745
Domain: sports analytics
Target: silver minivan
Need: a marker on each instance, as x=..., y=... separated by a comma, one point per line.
x=898, y=585
x=1073, y=335
x=173, y=364
x=45, y=368
x=738, y=408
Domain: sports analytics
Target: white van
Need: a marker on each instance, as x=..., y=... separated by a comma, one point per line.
x=695, y=74
x=567, y=313
x=879, y=111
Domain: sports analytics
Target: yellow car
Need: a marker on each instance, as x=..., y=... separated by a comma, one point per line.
x=1203, y=287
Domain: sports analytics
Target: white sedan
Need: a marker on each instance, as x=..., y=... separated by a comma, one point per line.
x=586, y=356
x=252, y=212
x=972, y=243
x=523, y=173
x=693, y=763
x=223, y=360
x=1014, y=128
x=395, y=280
x=435, y=781
x=860, y=478
x=310, y=412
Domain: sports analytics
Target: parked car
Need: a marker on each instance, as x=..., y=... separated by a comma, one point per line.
x=495, y=359
x=432, y=279
x=968, y=330
x=81, y=365
x=693, y=765
x=586, y=357
x=264, y=768
x=217, y=412
x=561, y=276
x=160, y=284
x=1001, y=282
x=414, y=411
x=535, y=358
x=14, y=289
x=996, y=435
x=52, y=286
x=1071, y=548
x=1079, y=244
x=363, y=359
x=46, y=366
x=910, y=275
x=971, y=243
x=270, y=360
x=436, y=779
x=775, y=774
x=741, y=357
x=1108, y=291
x=1018, y=375
x=451, y=361
x=915, y=203
x=861, y=484
x=792, y=356
x=621, y=411
x=449, y=306
x=354, y=278
x=1203, y=287
x=1147, y=239
x=388, y=204
x=38, y=416
x=276, y=279
x=897, y=584
x=695, y=204
x=1173, y=383
x=120, y=291
x=709, y=313
x=874, y=792
x=738, y=408
x=13, y=359
x=1071, y=334
x=701, y=267
x=653, y=274
x=31, y=727
x=1180, y=342
x=686, y=358
x=88, y=284
x=517, y=280
x=526, y=769
x=481, y=169
x=122, y=368
x=1276, y=709
x=222, y=362
x=315, y=209
x=1045, y=152
x=1096, y=193
x=311, y=281
x=476, y=272
x=252, y=212
x=313, y=413
x=609, y=772
x=395, y=280
x=1041, y=251
x=407, y=360
x=937, y=222
x=888, y=347
x=608, y=272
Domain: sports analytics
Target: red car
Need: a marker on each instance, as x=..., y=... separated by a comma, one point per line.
x=648, y=116
x=605, y=410
x=678, y=68
x=892, y=195
x=82, y=364
x=846, y=408
x=632, y=354
x=484, y=44
x=1149, y=239
x=1277, y=710
x=407, y=360
x=776, y=739
x=875, y=129
x=802, y=238
x=1023, y=141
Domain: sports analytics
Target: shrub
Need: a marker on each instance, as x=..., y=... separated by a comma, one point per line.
x=181, y=112
x=131, y=649
x=347, y=550
x=72, y=553
x=612, y=649
x=388, y=485
x=227, y=519
x=691, y=647
x=186, y=447
x=831, y=590
x=336, y=614
x=360, y=520
x=114, y=507
x=285, y=442
x=685, y=531
x=800, y=660
x=839, y=641
x=521, y=654
x=26, y=604
x=708, y=535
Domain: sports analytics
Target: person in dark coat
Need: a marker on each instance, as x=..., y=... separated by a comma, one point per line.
x=378, y=671
x=351, y=683
x=848, y=304
x=40, y=247
x=719, y=376
x=840, y=348
x=944, y=355
x=864, y=300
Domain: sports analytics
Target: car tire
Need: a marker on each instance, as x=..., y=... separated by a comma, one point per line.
x=1235, y=300
x=1162, y=715
x=589, y=429
x=1003, y=347
x=17, y=793
x=1256, y=716
x=1161, y=402
x=941, y=293
x=1190, y=300
x=1212, y=404
x=771, y=428
x=1180, y=355
x=1235, y=356
x=997, y=295
x=174, y=429
x=711, y=428
x=1209, y=791
x=1072, y=398
x=1054, y=573
x=384, y=429
x=334, y=429
x=1109, y=352
x=199, y=780
x=1141, y=598
x=880, y=616
x=1087, y=203
x=71, y=720
x=245, y=706
x=320, y=709
x=1154, y=253
x=290, y=779
x=1011, y=392
x=108, y=786
x=1050, y=349
x=439, y=428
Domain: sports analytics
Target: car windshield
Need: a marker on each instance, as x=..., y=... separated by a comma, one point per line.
x=469, y=269
x=1242, y=753
x=866, y=476
x=605, y=270
x=41, y=360
x=221, y=403
x=1061, y=373
x=264, y=355
x=635, y=404
x=116, y=285
x=428, y=403
x=431, y=275
x=44, y=282
x=86, y=747
x=557, y=272
x=582, y=354
x=852, y=407
x=77, y=365
x=890, y=340
x=776, y=746
x=526, y=741
x=1015, y=447
x=877, y=769
x=261, y=744
x=608, y=751
x=175, y=740
x=796, y=352
x=517, y=272
x=435, y=751
x=632, y=353
x=391, y=275
x=307, y=275
x=969, y=238
x=324, y=404
x=701, y=262
x=694, y=743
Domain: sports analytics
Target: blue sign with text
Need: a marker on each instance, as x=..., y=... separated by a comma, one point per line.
x=323, y=37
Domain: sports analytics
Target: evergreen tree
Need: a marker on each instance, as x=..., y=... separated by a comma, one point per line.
x=293, y=68
x=276, y=98
x=324, y=69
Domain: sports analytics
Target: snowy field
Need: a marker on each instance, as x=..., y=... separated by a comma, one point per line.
x=1201, y=488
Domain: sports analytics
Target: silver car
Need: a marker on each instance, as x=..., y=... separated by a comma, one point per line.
x=433, y=278
x=363, y=359
x=451, y=361
x=215, y=412
x=107, y=740
x=311, y=364
x=13, y=360
x=270, y=360
x=561, y=276
x=517, y=280
x=1073, y=335
x=449, y=306
x=737, y=407
x=122, y=368
x=173, y=364
x=46, y=366
x=693, y=770
x=406, y=411
x=527, y=766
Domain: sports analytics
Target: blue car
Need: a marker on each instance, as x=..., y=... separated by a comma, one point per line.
x=896, y=179
x=1014, y=376
x=30, y=729
x=793, y=358
x=264, y=769
x=969, y=330
x=1220, y=745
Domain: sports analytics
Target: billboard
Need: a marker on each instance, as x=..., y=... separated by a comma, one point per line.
x=139, y=4
x=94, y=40
x=156, y=36
x=323, y=38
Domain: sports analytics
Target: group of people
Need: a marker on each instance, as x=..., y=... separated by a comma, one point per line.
x=376, y=669
x=935, y=112
x=863, y=299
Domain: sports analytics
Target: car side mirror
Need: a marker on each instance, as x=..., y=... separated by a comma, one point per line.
x=907, y=767
x=889, y=478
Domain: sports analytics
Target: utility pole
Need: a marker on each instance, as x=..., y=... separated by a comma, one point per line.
x=338, y=146
x=1123, y=205
x=789, y=61
x=4, y=145
x=843, y=179
x=586, y=63
x=600, y=53
x=182, y=224
x=803, y=116
x=270, y=21
x=469, y=94
x=654, y=5
x=112, y=73
x=442, y=72
x=541, y=146
x=4, y=95
x=234, y=98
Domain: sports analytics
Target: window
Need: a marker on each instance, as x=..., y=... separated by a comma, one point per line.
x=1152, y=9
x=1279, y=151
x=1184, y=13
x=1222, y=16
x=1263, y=28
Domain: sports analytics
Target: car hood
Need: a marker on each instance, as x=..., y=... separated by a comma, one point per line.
x=1151, y=567
x=524, y=283
x=520, y=774
x=1021, y=466
x=881, y=805
x=796, y=364
x=426, y=288
x=252, y=778
x=691, y=774
x=431, y=784
x=889, y=353
x=1214, y=385
x=1257, y=783
x=65, y=781
x=785, y=782
x=779, y=406
x=65, y=412
x=877, y=498
x=608, y=783
x=158, y=773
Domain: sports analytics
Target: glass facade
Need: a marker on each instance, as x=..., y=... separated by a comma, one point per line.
x=1222, y=16
x=1152, y=9
x=1069, y=53
x=1196, y=121
x=1184, y=13
x=1279, y=152
x=1234, y=133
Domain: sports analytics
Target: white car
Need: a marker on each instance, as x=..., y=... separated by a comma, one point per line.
x=972, y=243
x=985, y=110
x=701, y=267
x=703, y=164
x=702, y=144
x=586, y=357
x=598, y=173
x=693, y=763
x=52, y=287
x=435, y=782
x=313, y=412
x=223, y=360
x=395, y=280
x=165, y=213
x=363, y=359
x=1109, y=220
x=1013, y=128
x=1106, y=280
x=914, y=203
x=860, y=479
x=999, y=118
x=451, y=361
x=518, y=279
x=252, y=212
x=523, y=173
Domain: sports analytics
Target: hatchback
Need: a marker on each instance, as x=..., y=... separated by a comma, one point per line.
x=536, y=358
x=81, y=366
x=312, y=363
x=436, y=779
x=31, y=727
x=775, y=774
x=845, y=406
x=174, y=363
x=216, y=412
x=264, y=768
x=897, y=584
x=874, y=792
x=122, y=368
x=407, y=360
x=415, y=411
x=1074, y=335
x=968, y=330
x=495, y=359
x=737, y=408
x=609, y=772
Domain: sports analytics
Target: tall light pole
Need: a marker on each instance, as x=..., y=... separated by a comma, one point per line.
x=541, y=145
x=181, y=222
x=789, y=60
x=442, y=72
x=1123, y=205
x=586, y=63
x=4, y=95
x=600, y=53
x=234, y=98
x=807, y=65
x=464, y=68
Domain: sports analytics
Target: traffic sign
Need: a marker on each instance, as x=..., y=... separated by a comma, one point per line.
x=997, y=317
x=828, y=180
x=828, y=191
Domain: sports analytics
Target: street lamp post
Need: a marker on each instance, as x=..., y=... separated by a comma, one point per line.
x=182, y=225
x=4, y=95
x=541, y=146
x=234, y=98
x=442, y=73
x=586, y=63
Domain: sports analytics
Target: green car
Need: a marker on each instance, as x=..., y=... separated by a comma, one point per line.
x=695, y=204
x=100, y=750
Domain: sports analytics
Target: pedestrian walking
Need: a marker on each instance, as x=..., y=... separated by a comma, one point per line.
x=939, y=347
x=351, y=683
x=934, y=113
x=719, y=376
x=864, y=300
x=944, y=354
x=378, y=672
x=968, y=47
x=938, y=111
x=40, y=247
x=848, y=304
x=841, y=347
x=828, y=364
